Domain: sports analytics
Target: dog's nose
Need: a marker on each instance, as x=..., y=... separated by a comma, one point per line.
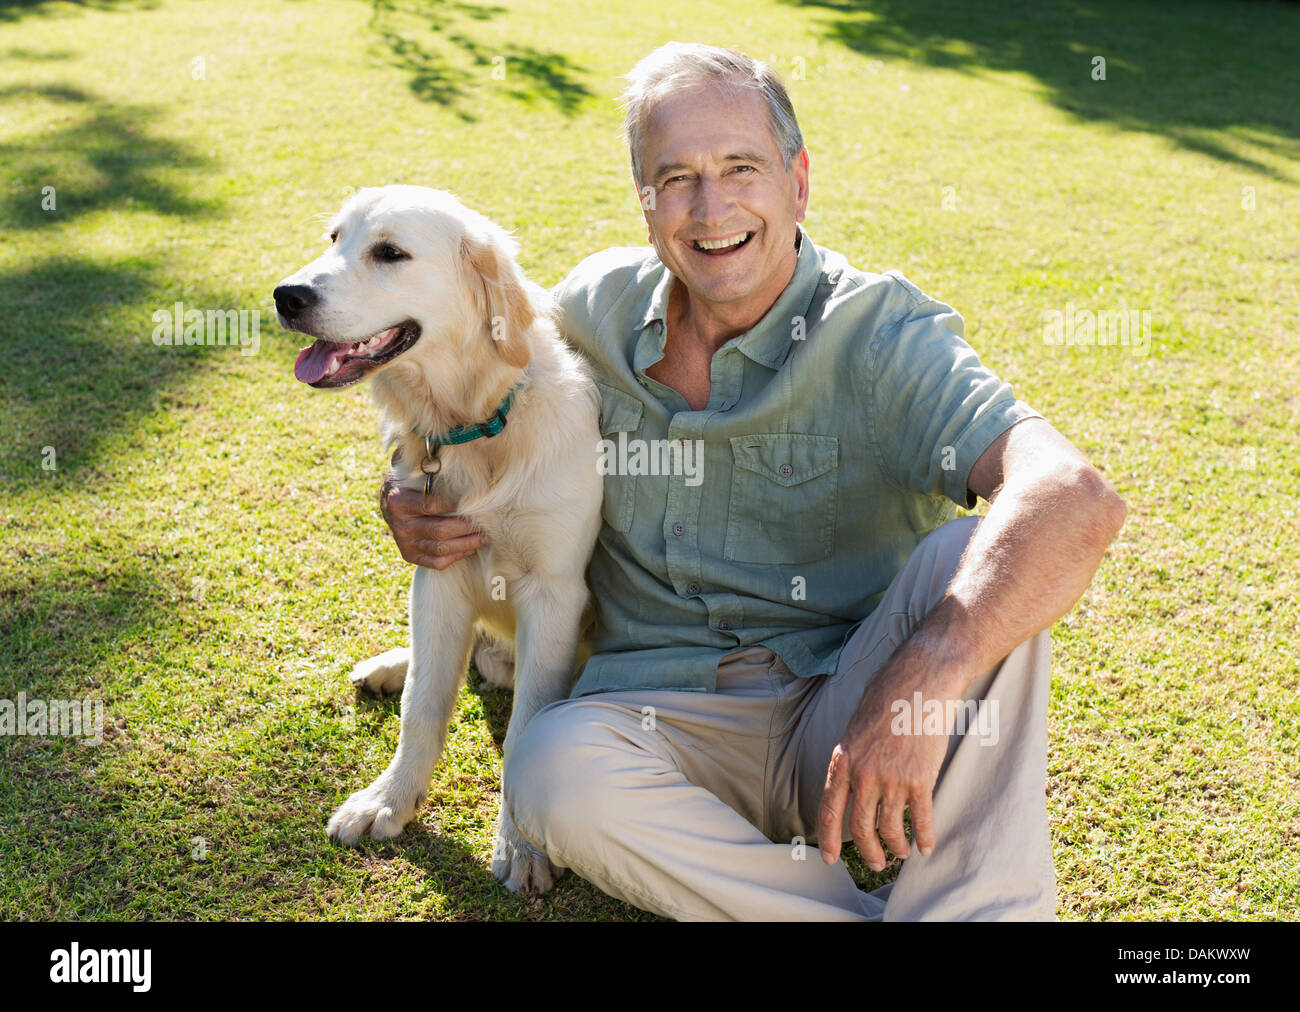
x=290, y=300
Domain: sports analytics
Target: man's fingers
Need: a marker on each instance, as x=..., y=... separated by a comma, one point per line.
x=862, y=823
x=923, y=822
x=891, y=825
x=466, y=544
x=441, y=561
x=407, y=503
x=441, y=554
x=835, y=798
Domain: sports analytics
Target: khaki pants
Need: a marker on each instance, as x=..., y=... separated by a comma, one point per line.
x=693, y=810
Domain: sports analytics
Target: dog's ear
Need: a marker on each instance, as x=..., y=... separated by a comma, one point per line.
x=501, y=296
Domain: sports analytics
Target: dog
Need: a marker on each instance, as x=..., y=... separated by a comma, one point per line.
x=484, y=401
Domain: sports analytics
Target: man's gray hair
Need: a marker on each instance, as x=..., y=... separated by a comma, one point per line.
x=676, y=66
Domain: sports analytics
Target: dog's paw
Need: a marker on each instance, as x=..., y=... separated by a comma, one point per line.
x=383, y=675
x=518, y=865
x=371, y=812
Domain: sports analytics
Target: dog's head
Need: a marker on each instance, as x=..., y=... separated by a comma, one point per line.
x=412, y=279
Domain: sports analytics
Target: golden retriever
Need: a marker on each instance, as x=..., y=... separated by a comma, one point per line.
x=423, y=296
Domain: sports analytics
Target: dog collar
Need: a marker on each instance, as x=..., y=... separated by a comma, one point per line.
x=431, y=465
x=479, y=430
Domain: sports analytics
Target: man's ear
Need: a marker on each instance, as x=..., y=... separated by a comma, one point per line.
x=500, y=296
x=802, y=169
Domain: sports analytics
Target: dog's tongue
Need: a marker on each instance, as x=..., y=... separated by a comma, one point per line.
x=314, y=360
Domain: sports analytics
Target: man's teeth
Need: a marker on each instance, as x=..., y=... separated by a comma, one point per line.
x=721, y=243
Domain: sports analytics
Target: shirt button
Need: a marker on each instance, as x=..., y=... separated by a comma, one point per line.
x=692, y=588
x=679, y=529
x=724, y=625
x=786, y=470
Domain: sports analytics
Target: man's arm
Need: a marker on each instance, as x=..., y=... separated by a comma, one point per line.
x=1051, y=517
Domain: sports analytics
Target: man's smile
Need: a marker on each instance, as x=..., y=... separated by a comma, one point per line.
x=721, y=247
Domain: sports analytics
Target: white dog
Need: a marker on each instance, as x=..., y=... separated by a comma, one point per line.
x=481, y=397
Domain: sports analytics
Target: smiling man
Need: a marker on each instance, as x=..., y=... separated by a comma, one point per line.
x=805, y=643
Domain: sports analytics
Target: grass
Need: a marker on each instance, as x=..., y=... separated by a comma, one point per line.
x=207, y=557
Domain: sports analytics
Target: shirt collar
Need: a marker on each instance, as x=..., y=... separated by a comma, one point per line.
x=768, y=341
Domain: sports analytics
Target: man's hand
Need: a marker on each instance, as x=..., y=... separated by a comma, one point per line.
x=872, y=767
x=434, y=538
x=1051, y=517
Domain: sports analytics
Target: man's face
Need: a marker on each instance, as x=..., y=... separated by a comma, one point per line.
x=718, y=178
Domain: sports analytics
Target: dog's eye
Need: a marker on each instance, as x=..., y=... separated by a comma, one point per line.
x=388, y=253
x=334, y=237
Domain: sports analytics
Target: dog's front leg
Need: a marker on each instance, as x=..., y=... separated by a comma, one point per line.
x=548, y=615
x=442, y=621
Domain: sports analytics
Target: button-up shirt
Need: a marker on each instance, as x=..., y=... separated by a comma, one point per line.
x=839, y=431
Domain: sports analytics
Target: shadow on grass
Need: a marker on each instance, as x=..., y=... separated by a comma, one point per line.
x=62, y=618
x=105, y=158
x=16, y=10
x=76, y=329
x=63, y=625
x=450, y=68
x=80, y=365
x=1183, y=70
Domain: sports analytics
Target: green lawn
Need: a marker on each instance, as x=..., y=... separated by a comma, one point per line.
x=207, y=557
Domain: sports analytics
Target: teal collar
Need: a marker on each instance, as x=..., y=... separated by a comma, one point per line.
x=469, y=433
x=431, y=465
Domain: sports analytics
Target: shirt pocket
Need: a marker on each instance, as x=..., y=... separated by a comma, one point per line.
x=784, y=498
x=619, y=413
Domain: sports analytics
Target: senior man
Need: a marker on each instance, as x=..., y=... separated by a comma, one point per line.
x=801, y=642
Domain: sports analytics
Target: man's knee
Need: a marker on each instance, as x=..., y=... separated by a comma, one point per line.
x=933, y=563
x=947, y=542
x=551, y=779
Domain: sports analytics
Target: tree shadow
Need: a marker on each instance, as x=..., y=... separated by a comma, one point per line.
x=36, y=56
x=427, y=40
x=16, y=10
x=105, y=159
x=64, y=623
x=81, y=365
x=1181, y=71
x=62, y=619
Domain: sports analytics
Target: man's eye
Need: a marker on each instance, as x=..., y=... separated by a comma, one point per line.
x=389, y=253
x=747, y=168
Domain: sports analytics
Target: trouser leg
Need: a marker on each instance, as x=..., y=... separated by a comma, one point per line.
x=992, y=858
x=665, y=810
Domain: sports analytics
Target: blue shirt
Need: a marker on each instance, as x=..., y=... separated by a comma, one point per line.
x=839, y=432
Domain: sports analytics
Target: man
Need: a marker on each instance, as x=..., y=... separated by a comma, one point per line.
x=800, y=642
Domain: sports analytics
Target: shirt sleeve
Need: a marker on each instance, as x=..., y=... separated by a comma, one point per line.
x=935, y=407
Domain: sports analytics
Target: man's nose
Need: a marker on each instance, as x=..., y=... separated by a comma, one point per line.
x=712, y=202
x=290, y=300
